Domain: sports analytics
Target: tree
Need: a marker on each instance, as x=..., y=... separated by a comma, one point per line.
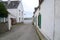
x=3, y=10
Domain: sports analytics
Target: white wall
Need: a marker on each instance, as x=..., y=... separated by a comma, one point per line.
x=14, y=14
x=9, y=22
x=47, y=14
x=36, y=15
x=57, y=19
x=20, y=7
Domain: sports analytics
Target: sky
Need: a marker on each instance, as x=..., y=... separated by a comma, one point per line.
x=29, y=6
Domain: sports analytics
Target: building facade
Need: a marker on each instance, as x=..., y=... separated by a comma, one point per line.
x=15, y=9
x=48, y=23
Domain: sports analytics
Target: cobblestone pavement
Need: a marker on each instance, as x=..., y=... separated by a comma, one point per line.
x=21, y=32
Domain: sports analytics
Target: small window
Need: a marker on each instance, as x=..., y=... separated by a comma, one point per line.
x=19, y=10
x=19, y=19
x=39, y=20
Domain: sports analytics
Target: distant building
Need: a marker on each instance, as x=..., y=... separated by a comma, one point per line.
x=15, y=9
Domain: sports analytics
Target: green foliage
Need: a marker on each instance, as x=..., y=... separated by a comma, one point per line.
x=3, y=11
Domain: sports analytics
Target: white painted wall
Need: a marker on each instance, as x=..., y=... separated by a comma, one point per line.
x=36, y=15
x=9, y=22
x=14, y=14
x=57, y=20
x=50, y=22
x=20, y=7
x=47, y=14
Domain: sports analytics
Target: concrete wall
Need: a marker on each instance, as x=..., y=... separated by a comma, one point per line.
x=57, y=20
x=47, y=20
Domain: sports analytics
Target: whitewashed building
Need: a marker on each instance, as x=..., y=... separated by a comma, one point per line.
x=50, y=20
x=15, y=9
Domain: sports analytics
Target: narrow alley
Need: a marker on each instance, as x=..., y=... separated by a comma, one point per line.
x=23, y=31
x=29, y=19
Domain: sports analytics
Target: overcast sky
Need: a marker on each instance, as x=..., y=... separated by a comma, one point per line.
x=29, y=6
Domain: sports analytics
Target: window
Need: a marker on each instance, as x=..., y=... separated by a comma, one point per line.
x=19, y=10
x=39, y=20
x=19, y=19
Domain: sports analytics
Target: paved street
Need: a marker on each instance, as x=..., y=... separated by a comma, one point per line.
x=21, y=32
